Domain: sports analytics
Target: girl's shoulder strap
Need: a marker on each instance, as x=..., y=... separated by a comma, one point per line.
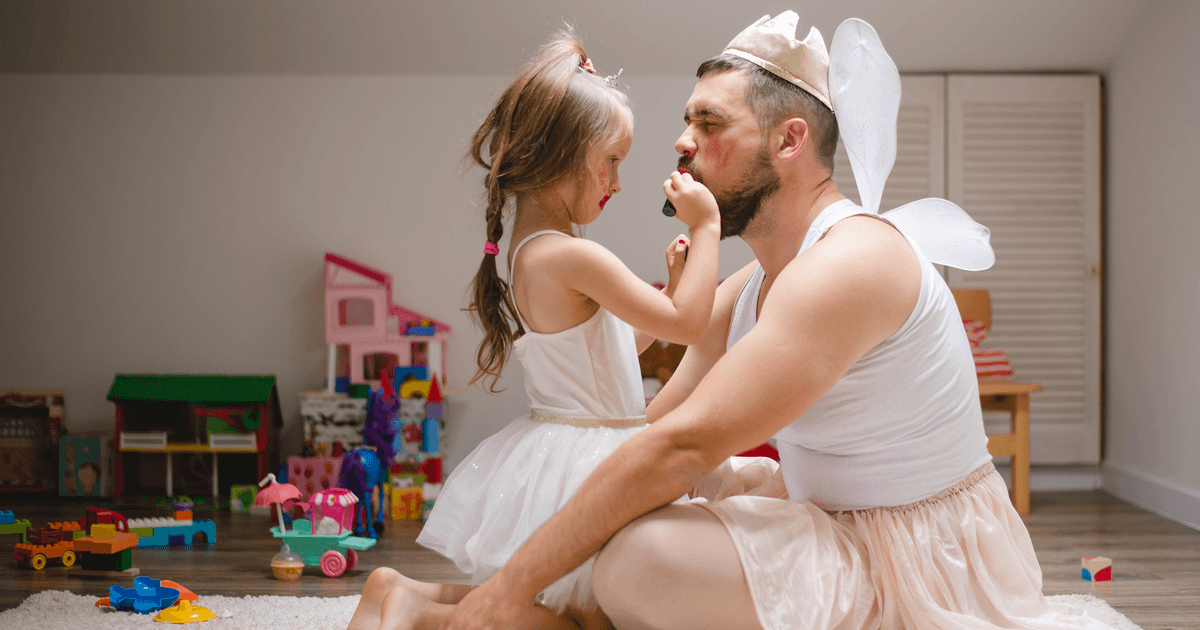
x=526, y=240
x=512, y=262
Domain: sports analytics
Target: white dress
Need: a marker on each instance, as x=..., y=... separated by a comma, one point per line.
x=585, y=394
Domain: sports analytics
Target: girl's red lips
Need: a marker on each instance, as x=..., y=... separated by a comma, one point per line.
x=604, y=201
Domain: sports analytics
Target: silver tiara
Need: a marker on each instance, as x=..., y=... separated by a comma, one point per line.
x=611, y=80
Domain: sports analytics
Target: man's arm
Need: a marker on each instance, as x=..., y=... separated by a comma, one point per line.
x=828, y=308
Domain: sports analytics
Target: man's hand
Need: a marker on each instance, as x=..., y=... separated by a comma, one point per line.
x=489, y=608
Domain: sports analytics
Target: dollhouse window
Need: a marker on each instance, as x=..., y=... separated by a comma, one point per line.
x=356, y=312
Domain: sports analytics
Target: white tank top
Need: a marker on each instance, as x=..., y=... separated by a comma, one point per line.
x=590, y=370
x=903, y=423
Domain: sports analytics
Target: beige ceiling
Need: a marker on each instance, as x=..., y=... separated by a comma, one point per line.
x=647, y=37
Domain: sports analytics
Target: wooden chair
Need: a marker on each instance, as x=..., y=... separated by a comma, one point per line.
x=1003, y=395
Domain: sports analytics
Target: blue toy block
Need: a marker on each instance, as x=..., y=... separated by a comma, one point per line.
x=422, y=331
x=420, y=372
x=341, y=384
x=167, y=535
x=433, y=410
x=430, y=429
x=7, y=518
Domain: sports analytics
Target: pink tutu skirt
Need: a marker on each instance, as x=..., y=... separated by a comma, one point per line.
x=959, y=559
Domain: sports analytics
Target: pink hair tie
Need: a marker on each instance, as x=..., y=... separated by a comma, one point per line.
x=586, y=66
x=490, y=248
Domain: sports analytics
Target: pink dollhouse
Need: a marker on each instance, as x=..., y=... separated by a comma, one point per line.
x=360, y=315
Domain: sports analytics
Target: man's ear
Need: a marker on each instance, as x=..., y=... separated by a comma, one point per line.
x=792, y=135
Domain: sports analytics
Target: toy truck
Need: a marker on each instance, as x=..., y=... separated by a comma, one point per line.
x=55, y=541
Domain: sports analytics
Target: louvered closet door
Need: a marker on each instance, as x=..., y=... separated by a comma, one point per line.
x=1023, y=158
x=920, y=146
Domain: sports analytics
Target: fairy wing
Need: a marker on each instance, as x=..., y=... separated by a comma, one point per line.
x=864, y=86
x=946, y=234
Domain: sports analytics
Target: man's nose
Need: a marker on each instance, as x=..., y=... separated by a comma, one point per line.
x=684, y=145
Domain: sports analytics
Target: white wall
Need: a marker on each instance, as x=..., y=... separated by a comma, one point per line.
x=177, y=223
x=1152, y=390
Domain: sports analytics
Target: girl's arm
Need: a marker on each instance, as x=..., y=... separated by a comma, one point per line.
x=700, y=357
x=680, y=318
x=676, y=256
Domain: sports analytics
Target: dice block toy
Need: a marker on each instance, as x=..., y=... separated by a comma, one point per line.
x=1097, y=569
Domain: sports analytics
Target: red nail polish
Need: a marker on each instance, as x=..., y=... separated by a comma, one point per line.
x=681, y=241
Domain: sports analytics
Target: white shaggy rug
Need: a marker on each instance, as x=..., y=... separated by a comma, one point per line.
x=53, y=610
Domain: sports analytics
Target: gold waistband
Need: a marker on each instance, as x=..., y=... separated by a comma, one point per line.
x=588, y=423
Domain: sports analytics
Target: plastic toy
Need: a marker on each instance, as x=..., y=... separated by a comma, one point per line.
x=335, y=504
x=55, y=542
x=362, y=473
x=9, y=524
x=379, y=430
x=286, y=565
x=147, y=595
x=185, y=612
x=1097, y=569
x=359, y=313
x=107, y=550
x=95, y=515
x=173, y=532
x=323, y=549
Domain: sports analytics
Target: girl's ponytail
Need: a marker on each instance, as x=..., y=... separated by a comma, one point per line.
x=536, y=136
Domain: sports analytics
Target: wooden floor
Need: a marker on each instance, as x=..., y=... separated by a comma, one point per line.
x=1156, y=561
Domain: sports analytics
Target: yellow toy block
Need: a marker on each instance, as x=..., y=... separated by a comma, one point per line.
x=104, y=530
x=409, y=389
x=407, y=504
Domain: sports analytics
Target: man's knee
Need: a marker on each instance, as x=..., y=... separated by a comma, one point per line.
x=629, y=572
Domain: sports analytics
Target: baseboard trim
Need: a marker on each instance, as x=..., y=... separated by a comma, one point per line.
x=1157, y=495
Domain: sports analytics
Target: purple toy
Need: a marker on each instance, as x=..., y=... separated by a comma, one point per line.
x=364, y=470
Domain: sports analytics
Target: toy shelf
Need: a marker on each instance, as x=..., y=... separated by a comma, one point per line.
x=188, y=448
x=215, y=414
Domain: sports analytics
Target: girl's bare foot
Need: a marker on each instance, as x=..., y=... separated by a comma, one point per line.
x=406, y=609
x=370, y=607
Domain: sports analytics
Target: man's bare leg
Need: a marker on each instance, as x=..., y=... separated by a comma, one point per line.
x=381, y=582
x=675, y=567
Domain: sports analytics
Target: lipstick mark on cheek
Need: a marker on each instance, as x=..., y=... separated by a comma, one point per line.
x=724, y=154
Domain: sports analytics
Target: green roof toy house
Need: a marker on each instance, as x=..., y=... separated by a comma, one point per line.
x=213, y=414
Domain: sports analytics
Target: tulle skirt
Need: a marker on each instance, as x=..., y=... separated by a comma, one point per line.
x=961, y=559
x=508, y=487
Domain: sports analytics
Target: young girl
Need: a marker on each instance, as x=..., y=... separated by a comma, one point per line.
x=573, y=315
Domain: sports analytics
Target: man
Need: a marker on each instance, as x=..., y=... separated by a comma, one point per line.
x=851, y=354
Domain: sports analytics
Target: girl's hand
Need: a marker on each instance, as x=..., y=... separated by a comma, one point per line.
x=676, y=257
x=694, y=203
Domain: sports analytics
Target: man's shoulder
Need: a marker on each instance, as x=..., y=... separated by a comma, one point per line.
x=859, y=241
x=859, y=257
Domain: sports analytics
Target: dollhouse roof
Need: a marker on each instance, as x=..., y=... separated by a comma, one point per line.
x=403, y=315
x=209, y=388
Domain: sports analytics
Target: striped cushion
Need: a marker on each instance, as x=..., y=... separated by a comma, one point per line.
x=976, y=331
x=989, y=363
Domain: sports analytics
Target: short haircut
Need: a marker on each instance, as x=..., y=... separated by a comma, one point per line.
x=774, y=100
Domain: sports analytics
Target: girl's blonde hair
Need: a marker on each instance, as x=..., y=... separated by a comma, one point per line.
x=537, y=135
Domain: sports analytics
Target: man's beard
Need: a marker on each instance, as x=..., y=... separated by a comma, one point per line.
x=740, y=205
